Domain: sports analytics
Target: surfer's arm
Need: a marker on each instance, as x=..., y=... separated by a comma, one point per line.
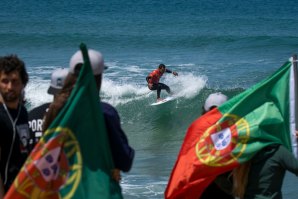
x=168, y=71
x=173, y=72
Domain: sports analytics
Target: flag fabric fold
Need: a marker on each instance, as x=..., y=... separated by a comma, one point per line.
x=231, y=134
x=73, y=158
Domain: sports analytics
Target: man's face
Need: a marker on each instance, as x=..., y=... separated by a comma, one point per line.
x=11, y=86
x=162, y=70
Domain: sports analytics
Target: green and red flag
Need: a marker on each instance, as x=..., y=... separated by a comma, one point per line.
x=231, y=134
x=73, y=158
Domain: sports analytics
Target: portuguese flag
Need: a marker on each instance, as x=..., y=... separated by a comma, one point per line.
x=225, y=137
x=73, y=158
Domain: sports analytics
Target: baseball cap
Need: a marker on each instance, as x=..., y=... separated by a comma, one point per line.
x=214, y=99
x=57, y=80
x=96, y=61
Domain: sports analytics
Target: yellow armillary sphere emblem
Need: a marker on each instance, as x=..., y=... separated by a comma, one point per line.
x=217, y=143
x=54, y=168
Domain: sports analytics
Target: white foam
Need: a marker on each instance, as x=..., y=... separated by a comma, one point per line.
x=36, y=92
x=118, y=90
x=36, y=89
x=186, y=85
x=135, y=69
x=120, y=93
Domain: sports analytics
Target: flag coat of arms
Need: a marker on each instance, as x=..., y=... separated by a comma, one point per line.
x=73, y=158
x=234, y=132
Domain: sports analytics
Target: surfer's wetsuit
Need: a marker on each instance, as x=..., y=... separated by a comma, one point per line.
x=153, y=78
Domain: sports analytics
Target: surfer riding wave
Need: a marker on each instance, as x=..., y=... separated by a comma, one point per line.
x=153, y=80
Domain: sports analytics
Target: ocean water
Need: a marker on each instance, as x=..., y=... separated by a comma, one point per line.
x=220, y=45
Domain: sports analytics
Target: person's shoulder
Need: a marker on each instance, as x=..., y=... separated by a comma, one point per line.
x=23, y=108
x=276, y=152
x=282, y=149
x=40, y=107
x=155, y=71
x=109, y=110
x=39, y=110
x=265, y=152
x=107, y=107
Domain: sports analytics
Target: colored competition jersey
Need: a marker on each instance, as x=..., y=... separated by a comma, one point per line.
x=14, y=144
x=36, y=116
x=122, y=153
x=155, y=75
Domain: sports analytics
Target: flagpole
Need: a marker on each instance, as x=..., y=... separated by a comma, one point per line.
x=295, y=94
x=296, y=90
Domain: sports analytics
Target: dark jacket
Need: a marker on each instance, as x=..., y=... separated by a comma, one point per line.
x=122, y=153
x=14, y=144
x=267, y=172
x=35, y=118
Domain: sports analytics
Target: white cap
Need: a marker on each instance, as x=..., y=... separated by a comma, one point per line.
x=57, y=80
x=214, y=99
x=96, y=61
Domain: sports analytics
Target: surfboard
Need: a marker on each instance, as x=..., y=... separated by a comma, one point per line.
x=167, y=99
